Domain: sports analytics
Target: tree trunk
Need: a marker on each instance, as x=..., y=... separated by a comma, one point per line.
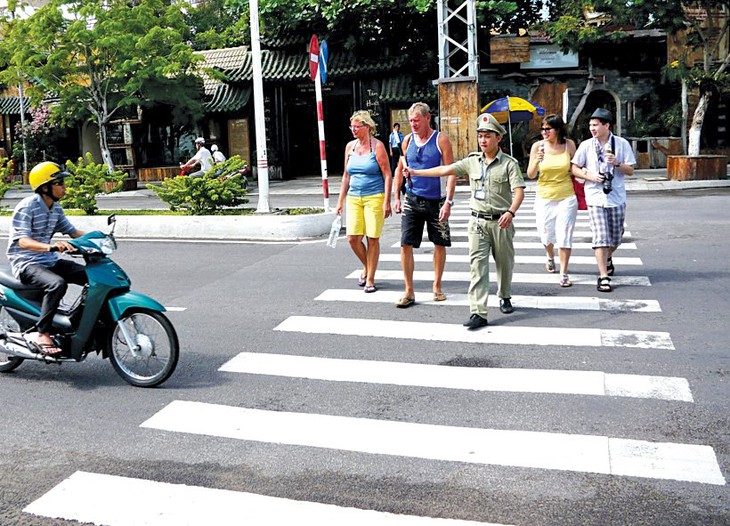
x=106, y=154
x=583, y=99
x=698, y=120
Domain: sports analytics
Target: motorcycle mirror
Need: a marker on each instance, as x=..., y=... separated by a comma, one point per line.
x=112, y=220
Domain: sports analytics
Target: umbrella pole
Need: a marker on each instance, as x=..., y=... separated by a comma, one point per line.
x=509, y=125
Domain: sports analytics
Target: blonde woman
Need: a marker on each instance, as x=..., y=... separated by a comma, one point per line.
x=366, y=183
x=556, y=206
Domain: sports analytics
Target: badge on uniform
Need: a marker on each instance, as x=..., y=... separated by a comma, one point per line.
x=480, y=195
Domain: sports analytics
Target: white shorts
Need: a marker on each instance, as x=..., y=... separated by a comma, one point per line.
x=556, y=220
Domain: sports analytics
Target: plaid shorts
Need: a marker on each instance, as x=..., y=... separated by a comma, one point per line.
x=607, y=225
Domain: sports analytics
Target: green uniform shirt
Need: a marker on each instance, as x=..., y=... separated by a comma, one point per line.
x=497, y=179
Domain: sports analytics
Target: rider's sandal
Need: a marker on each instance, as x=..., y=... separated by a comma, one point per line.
x=48, y=349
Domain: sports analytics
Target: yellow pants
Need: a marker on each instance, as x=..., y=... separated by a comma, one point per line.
x=365, y=216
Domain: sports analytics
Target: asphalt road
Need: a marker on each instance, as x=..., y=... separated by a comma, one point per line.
x=61, y=420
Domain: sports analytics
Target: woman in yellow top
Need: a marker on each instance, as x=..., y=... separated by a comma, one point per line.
x=556, y=206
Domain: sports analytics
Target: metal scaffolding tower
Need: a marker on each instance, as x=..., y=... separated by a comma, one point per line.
x=457, y=39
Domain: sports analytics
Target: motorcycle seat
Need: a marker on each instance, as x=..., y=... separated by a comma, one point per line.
x=8, y=280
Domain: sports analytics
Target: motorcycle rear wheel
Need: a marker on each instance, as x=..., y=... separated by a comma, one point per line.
x=8, y=362
x=156, y=349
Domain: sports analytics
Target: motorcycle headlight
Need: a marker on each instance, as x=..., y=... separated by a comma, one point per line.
x=105, y=245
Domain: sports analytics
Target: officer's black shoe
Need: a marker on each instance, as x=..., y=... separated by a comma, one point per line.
x=505, y=305
x=475, y=321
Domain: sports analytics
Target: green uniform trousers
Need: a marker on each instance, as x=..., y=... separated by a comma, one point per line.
x=485, y=237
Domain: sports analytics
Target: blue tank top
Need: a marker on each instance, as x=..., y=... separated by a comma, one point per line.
x=426, y=156
x=365, y=175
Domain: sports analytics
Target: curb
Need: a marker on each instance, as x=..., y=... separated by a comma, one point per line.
x=269, y=227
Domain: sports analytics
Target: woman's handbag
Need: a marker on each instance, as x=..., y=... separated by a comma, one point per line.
x=580, y=193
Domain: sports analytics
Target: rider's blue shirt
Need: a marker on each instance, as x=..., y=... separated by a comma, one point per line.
x=32, y=218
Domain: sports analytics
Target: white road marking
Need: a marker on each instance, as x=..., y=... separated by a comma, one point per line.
x=502, y=334
x=123, y=501
x=578, y=234
x=176, y=309
x=464, y=258
x=517, y=277
x=521, y=302
x=528, y=449
x=593, y=383
x=529, y=245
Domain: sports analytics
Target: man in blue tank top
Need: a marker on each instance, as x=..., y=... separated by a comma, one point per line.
x=427, y=200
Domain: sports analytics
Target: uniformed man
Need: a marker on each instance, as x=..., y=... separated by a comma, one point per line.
x=497, y=190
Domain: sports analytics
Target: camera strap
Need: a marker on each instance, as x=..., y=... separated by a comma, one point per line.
x=599, y=151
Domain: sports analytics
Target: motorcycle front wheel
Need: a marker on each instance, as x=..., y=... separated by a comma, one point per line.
x=154, y=350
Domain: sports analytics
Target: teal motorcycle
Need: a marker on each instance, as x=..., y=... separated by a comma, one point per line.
x=107, y=318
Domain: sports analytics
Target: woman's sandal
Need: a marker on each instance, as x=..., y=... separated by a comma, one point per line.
x=610, y=269
x=565, y=281
x=604, y=284
x=361, y=281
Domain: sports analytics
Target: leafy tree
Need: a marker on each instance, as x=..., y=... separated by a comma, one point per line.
x=687, y=18
x=102, y=57
x=217, y=24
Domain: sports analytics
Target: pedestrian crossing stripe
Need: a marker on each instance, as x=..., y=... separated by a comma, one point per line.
x=493, y=334
x=105, y=499
x=589, y=383
x=521, y=302
x=578, y=234
x=619, y=261
x=526, y=449
x=517, y=277
x=533, y=245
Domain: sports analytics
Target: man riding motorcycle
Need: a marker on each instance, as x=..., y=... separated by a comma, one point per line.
x=32, y=253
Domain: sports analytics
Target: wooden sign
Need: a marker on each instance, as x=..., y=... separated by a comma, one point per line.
x=509, y=49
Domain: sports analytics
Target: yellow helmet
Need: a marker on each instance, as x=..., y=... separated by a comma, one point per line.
x=45, y=172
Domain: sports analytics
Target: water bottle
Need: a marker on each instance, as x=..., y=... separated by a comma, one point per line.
x=335, y=231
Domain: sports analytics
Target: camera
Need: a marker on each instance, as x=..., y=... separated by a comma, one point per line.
x=607, y=182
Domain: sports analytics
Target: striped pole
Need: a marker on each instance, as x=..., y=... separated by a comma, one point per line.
x=322, y=152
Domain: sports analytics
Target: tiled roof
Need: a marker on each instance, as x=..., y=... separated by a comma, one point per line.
x=10, y=105
x=225, y=60
x=228, y=98
x=283, y=66
x=277, y=65
x=403, y=89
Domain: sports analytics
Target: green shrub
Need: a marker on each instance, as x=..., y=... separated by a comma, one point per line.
x=220, y=187
x=6, y=176
x=88, y=179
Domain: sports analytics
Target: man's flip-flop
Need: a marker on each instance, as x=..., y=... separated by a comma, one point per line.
x=404, y=302
x=46, y=349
